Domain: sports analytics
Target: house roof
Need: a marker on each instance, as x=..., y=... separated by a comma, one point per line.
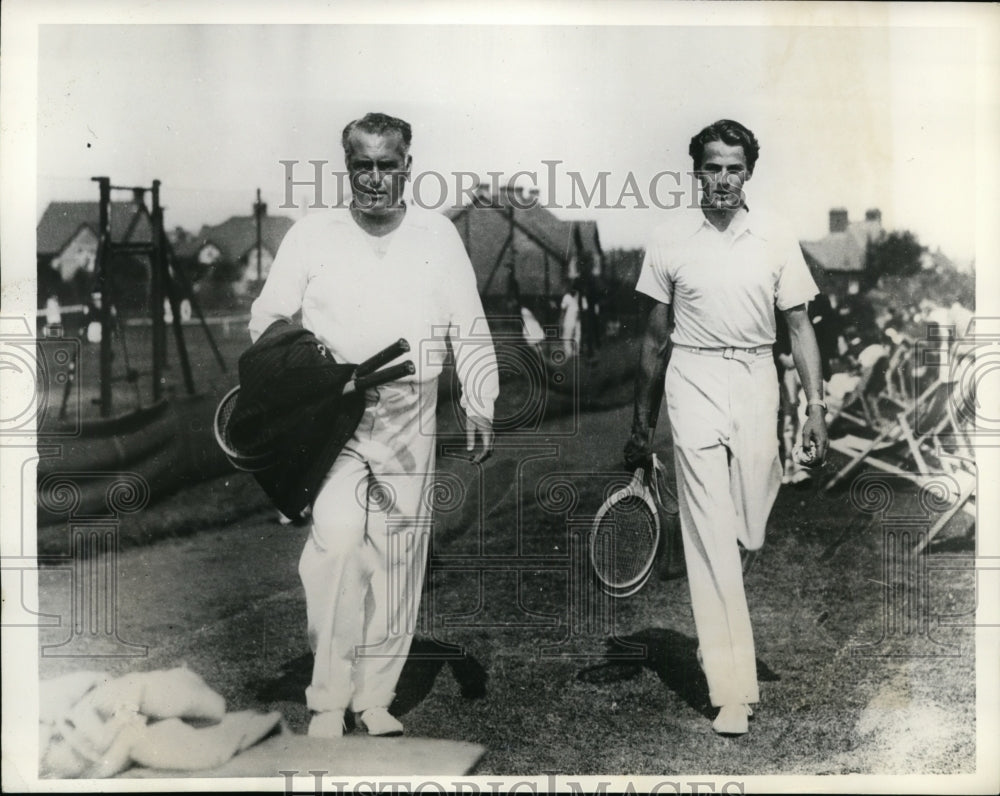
x=553, y=234
x=188, y=247
x=841, y=251
x=846, y=251
x=236, y=236
x=61, y=221
x=184, y=243
x=838, y=251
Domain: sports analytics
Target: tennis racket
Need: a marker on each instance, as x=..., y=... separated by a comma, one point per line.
x=663, y=490
x=220, y=425
x=365, y=376
x=392, y=373
x=383, y=357
x=624, y=538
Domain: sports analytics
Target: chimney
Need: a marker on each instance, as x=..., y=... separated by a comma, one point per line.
x=873, y=224
x=838, y=219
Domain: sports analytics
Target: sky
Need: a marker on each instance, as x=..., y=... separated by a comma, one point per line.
x=855, y=116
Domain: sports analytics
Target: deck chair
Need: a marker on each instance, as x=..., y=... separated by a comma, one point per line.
x=963, y=471
x=865, y=405
x=898, y=378
x=958, y=462
x=904, y=445
x=924, y=442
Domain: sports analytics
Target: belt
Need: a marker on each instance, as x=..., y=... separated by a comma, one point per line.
x=742, y=354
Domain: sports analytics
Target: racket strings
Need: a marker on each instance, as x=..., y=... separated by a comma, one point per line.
x=624, y=542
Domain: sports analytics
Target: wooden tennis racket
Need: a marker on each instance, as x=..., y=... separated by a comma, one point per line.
x=624, y=538
x=374, y=379
x=220, y=425
x=664, y=492
x=383, y=357
x=365, y=375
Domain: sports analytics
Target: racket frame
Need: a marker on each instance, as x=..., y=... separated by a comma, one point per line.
x=241, y=461
x=635, y=488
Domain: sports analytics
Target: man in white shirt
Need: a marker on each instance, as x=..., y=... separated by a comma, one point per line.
x=716, y=273
x=363, y=277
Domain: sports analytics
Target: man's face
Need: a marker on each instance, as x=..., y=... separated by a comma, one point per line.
x=722, y=173
x=378, y=167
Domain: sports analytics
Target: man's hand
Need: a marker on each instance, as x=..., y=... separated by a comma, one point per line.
x=484, y=428
x=805, y=352
x=814, y=434
x=638, y=453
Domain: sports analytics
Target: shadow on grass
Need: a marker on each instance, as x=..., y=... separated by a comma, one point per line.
x=426, y=659
x=671, y=656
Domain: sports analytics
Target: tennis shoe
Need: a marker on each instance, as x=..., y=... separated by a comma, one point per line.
x=379, y=721
x=327, y=724
x=732, y=720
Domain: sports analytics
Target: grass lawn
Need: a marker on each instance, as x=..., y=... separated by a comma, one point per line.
x=516, y=650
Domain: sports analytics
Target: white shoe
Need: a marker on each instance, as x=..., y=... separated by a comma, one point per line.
x=732, y=720
x=328, y=724
x=379, y=721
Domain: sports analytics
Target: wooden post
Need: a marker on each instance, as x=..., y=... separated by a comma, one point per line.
x=258, y=212
x=104, y=286
x=175, y=307
x=156, y=298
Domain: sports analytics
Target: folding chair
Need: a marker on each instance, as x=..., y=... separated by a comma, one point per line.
x=916, y=450
x=959, y=462
x=898, y=377
x=863, y=406
x=909, y=436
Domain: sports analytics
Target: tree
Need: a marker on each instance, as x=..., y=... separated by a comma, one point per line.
x=897, y=254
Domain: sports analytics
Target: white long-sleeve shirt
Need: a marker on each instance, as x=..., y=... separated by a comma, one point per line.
x=357, y=302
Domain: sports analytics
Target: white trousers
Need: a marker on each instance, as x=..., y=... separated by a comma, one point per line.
x=722, y=416
x=363, y=564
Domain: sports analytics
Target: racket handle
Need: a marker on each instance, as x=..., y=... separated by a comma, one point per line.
x=387, y=354
x=406, y=368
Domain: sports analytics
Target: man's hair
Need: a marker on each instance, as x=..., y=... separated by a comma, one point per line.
x=728, y=132
x=377, y=124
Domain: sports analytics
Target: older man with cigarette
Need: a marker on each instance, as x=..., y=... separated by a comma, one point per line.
x=363, y=276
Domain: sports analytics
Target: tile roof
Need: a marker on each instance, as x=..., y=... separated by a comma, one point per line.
x=236, y=236
x=550, y=232
x=62, y=220
x=544, y=244
x=841, y=251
